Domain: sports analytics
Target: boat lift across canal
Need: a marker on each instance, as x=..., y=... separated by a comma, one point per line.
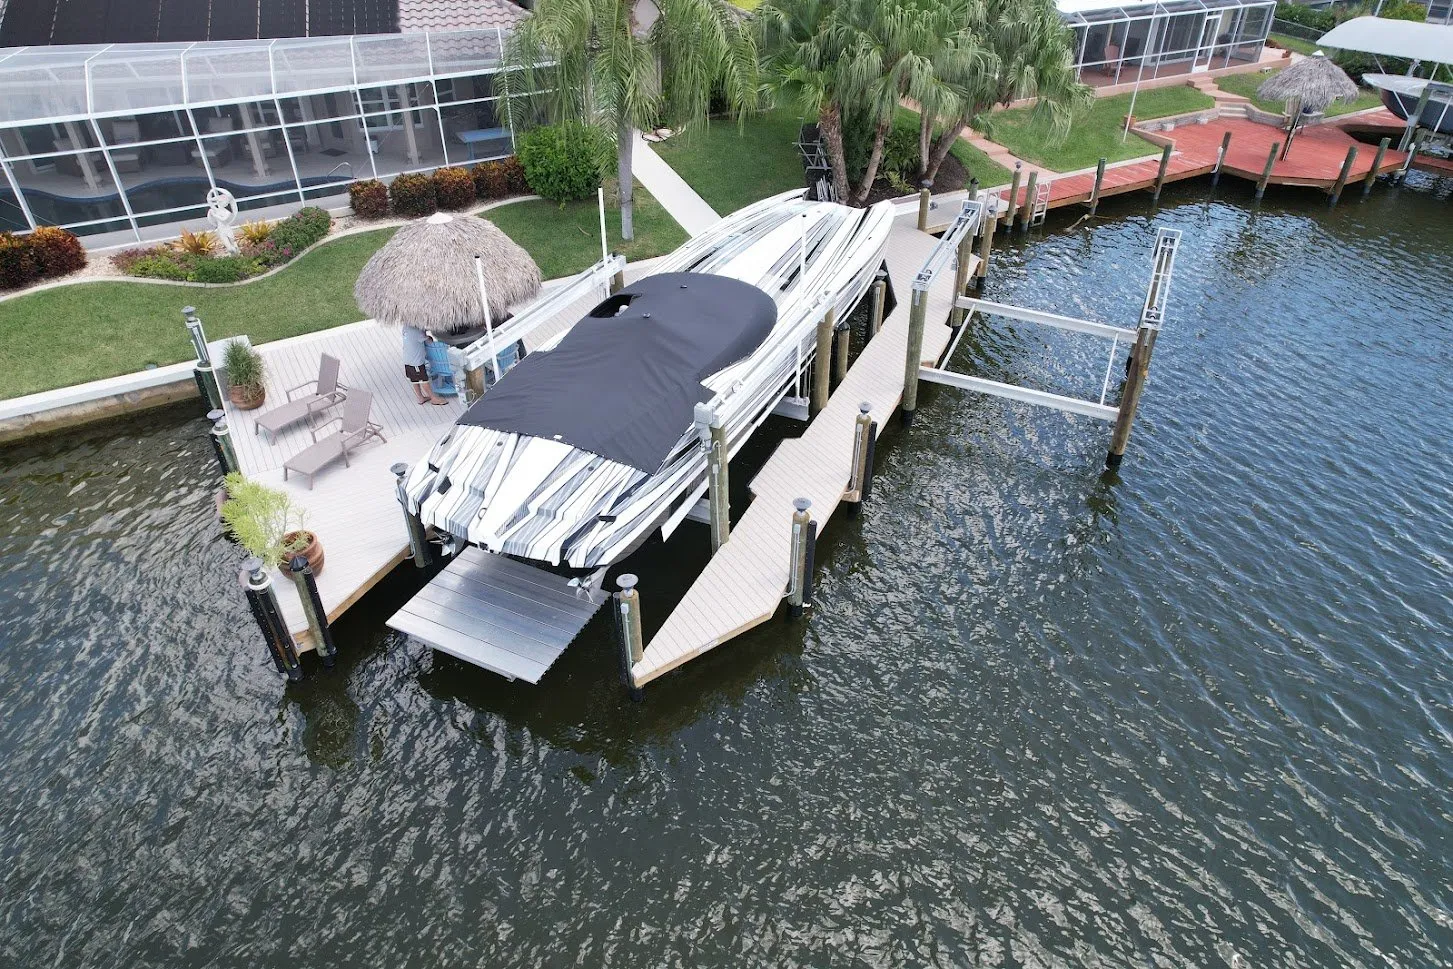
x=516, y=619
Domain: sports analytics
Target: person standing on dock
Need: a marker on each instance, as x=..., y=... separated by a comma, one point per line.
x=415, y=365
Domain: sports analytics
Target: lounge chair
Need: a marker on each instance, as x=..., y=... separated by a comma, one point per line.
x=325, y=392
x=354, y=429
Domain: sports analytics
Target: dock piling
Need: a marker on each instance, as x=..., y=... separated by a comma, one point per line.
x=822, y=365
x=1377, y=159
x=973, y=188
x=1347, y=164
x=880, y=300
x=1221, y=158
x=843, y=338
x=712, y=432
x=1014, y=193
x=618, y=281
x=962, y=258
x=1160, y=174
x=913, y=361
x=262, y=598
x=313, y=610
x=203, y=373
x=222, y=442
x=925, y=193
x=1095, y=190
x=804, y=538
x=1266, y=172
x=418, y=542
x=628, y=631
x=986, y=247
x=865, y=437
x=1031, y=191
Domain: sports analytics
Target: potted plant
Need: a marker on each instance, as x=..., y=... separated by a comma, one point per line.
x=245, y=383
x=268, y=525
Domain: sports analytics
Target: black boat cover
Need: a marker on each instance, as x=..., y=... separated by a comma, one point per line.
x=625, y=381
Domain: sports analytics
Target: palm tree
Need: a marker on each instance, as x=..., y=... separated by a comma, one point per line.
x=597, y=62
x=1002, y=51
x=860, y=58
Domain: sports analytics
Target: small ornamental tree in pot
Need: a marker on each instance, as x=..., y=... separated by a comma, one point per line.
x=266, y=523
x=246, y=385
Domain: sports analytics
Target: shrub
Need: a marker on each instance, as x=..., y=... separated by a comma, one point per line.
x=1297, y=13
x=454, y=188
x=499, y=179
x=201, y=243
x=255, y=232
x=243, y=365
x=296, y=233
x=259, y=516
x=412, y=195
x=224, y=269
x=369, y=199
x=164, y=264
x=564, y=162
x=18, y=264
x=57, y=251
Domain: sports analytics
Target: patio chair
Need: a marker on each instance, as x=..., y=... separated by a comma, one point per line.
x=323, y=393
x=354, y=430
x=125, y=132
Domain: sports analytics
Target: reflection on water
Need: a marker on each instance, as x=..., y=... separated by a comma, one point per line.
x=1040, y=716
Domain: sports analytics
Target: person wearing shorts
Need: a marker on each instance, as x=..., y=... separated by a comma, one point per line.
x=415, y=369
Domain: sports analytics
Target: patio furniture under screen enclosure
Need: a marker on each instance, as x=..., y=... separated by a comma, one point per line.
x=1120, y=43
x=124, y=141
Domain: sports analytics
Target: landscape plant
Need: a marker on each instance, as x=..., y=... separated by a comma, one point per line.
x=199, y=243
x=368, y=199
x=564, y=162
x=18, y=263
x=254, y=233
x=412, y=195
x=246, y=380
x=593, y=61
x=259, y=517
x=453, y=188
x=57, y=251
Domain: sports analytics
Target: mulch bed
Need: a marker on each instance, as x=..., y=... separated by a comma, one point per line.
x=952, y=176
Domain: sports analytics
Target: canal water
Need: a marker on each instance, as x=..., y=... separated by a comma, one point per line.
x=1199, y=714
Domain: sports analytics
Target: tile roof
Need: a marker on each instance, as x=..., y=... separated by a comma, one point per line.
x=457, y=14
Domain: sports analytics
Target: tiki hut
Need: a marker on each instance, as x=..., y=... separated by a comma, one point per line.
x=424, y=277
x=1311, y=84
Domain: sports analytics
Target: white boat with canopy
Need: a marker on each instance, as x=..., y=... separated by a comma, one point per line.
x=588, y=445
x=1418, y=101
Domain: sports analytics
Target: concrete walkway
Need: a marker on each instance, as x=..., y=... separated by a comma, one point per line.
x=670, y=189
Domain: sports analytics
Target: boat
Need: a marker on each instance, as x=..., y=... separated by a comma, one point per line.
x=1401, y=95
x=592, y=442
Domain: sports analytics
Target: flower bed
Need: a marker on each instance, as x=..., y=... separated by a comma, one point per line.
x=198, y=257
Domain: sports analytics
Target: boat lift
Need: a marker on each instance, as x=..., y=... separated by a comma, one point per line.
x=1141, y=340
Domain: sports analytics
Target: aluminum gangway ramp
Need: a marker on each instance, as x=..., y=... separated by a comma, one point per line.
x=505, y=616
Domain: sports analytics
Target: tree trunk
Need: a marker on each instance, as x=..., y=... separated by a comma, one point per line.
x=830, y=125
x=626, y=138
x=925, y=141
x=875, y=157
x=941, y=146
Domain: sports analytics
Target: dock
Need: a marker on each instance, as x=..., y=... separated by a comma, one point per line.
x=742, y=585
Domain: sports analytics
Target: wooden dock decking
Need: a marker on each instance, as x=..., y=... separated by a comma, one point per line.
x=353, y=509
x=744, y=582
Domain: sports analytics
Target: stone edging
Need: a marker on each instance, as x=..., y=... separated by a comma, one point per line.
x=352, y=230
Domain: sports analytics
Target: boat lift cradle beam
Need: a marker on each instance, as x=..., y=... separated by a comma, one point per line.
x=1142, y=340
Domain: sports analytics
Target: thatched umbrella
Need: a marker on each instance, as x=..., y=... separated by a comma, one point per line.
x=425, y=276
x=1313, y=83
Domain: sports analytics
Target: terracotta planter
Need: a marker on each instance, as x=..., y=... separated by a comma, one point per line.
x=313, y=552
x=247, y=398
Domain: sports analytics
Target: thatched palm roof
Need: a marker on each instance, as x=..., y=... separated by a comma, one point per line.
x=1315, y=80
x=424, y=276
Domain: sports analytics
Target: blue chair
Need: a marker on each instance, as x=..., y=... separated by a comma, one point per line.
x=441, y=371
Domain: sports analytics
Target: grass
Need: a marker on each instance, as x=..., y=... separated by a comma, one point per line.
x=1095, y=134
x=117, y=327
x=1246, y=85
x=1297, y=44
x=732, y=168
x=566, y=239
x=979, y=165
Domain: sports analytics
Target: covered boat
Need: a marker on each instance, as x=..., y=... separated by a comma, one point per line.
x=589, y=445
x=1426, y=45
x=1402, y=95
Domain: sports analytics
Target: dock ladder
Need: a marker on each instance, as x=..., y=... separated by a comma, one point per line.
x=1041, y=204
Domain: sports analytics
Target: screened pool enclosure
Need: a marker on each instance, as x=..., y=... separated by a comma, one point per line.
x=127, y=139
x=1116, y=44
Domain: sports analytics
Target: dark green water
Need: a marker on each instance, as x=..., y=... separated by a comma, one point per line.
x=1039, y=717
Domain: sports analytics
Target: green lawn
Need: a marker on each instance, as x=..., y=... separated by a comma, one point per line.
x=566, y=239
x=732, y=168
x=1095, y=134
x=1298, y=44
x=118, y=327
x=979, y=165
x=1246, y=85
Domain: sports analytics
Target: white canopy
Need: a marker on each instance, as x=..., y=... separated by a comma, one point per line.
x=1393, y=38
